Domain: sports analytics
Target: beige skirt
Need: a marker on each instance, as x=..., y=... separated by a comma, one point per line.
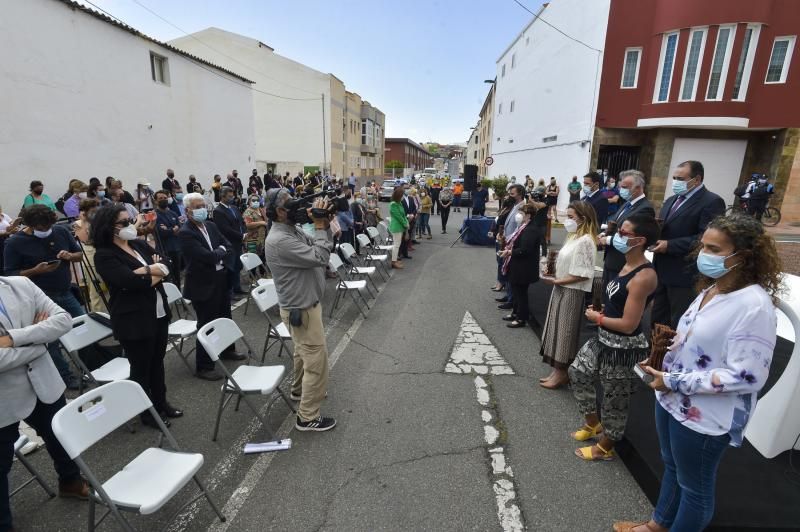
x=562, y=327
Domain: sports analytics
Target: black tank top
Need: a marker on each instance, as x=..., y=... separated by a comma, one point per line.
x=617, y=294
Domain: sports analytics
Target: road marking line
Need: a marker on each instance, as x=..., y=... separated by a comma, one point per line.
x=473, y=352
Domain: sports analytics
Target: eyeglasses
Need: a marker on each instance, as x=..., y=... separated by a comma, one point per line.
x=124, y=223
x=628, y=234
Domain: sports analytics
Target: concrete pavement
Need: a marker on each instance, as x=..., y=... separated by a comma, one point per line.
x=411, y=450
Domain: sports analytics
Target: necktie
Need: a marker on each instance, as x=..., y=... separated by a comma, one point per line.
x=675, y=206
x=624, y=210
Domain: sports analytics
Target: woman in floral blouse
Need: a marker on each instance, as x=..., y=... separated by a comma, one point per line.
x=718, y=362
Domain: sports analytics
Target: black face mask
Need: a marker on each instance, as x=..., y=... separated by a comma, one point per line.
x=38, y=191
x=162, y=204
x=171, y=176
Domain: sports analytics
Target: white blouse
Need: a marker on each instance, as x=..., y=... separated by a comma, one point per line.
x=5, y=221
x=577, y=257
x=732, y=338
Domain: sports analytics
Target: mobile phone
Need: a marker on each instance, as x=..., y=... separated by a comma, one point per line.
x=642, y=374
x=150, y=216
x=54, y=261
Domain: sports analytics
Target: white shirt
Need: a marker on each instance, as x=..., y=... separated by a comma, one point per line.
x=577, y=257
x=5, y=221
x=732, y=337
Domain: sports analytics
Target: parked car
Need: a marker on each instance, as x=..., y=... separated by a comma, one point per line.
x=388, y=186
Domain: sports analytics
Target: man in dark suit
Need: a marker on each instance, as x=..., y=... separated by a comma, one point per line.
x=230, y=223
x=684, y=218
x=631, y=190
x=410, y=206
x=592, y=183
x=205, y=251
x=169, y=183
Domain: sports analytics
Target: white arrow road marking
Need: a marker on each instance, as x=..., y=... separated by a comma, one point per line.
x=474, y=352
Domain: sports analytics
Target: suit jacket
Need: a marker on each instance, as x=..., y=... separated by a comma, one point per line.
x=682, y=231
x=409, y=205
x=614, y=260
x=133, y=299
x=230, y=223
x=524, y=265
x=26, y=370
x=201, y=262
x=600, y=204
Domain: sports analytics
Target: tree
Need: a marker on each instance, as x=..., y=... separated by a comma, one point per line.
x=395, y=164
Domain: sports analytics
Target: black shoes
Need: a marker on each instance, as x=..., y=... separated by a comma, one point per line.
x=321, y=424
x=516, y=324
x=503, y=299
x=505, y=306
x=233, y=355
x=148, y=421
x=209, y=375
x=510, y=317
x=170, y=411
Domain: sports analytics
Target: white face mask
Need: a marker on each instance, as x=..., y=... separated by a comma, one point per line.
x=82, y=195
x=128, y=233
x=519, y=217
x=570, y=225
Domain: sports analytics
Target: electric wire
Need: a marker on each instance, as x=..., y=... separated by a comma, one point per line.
x=568, y=36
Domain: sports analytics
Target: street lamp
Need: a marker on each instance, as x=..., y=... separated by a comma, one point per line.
x=490, y=81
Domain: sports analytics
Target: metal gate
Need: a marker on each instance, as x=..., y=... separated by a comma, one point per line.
x=617, y=159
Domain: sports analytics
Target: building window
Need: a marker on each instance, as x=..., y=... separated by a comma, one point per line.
x=503, y=71
x=527, y=41
x=511, y=110
x=666, y=65
x=513, y=60
x=158, y=68
x=500, y=108
x=550, y=139
x=780, y=59
x=475, y=155
x=745, y=66
x=691, y=68
x=719, y=66
x=630, y=71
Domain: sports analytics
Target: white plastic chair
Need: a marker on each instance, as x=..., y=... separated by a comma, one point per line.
x=180, y=329
x=246, y=380
x=353, y=268
x=251, y=263
x=147, y=482
x=18, y=445
x=380, y=260
x=266, y=298
x=775, y=423
x=383, y=229
x=345, y=286
x=375, y=235
x=85, y=332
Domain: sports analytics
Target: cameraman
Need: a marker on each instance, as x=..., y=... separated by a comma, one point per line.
x=298, y=263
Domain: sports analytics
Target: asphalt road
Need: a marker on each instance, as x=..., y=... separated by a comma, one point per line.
x=413, y=449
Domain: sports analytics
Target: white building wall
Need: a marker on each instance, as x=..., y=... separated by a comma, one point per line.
x=554, y=84
x=79, y=101
x=286, y=129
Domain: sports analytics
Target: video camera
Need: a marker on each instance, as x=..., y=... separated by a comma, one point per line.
x=298, y=207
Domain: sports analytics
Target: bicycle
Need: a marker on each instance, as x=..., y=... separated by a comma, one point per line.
x=770, y=218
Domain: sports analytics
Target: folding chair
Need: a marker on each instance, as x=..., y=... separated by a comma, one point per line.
x=383, y=230
x=146, y=483
x=352, y=268
x=85, y=332
x=375, y=235
x=180, y=329
x=18, y=445
x=266, y=298
x=343, y=285
x=246, y=380
x=251, y=263
x=380, y=260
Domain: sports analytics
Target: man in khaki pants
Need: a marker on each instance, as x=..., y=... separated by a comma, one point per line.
x=298, y=263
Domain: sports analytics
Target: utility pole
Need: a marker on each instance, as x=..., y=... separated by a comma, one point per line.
x=324, y=141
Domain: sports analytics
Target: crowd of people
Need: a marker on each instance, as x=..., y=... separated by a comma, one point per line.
x=710, y=279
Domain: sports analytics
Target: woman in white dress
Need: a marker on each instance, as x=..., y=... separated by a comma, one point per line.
x=573, y=278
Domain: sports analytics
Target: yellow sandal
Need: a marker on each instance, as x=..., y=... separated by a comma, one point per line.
x=585, y=453
x=587, y=433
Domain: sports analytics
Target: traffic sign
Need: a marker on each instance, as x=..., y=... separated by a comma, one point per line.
x=489, y=161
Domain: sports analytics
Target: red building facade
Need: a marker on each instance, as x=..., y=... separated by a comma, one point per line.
x=717, y=80
x=408, y=152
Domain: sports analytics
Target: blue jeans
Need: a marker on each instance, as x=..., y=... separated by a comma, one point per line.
x=424, y=223
x=68, y=302
x=691, y=459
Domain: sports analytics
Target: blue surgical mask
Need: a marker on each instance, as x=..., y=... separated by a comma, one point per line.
x=101, y=193
x=200, y=215
x=713, y=265
x=680, y=187
x=625, y=193
x=179, y=196
x=587, y=190
x=620, y=243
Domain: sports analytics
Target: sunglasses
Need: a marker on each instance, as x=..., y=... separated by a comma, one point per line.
x=123, y=223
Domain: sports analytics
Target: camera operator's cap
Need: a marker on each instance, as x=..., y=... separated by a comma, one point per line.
x=144, y=182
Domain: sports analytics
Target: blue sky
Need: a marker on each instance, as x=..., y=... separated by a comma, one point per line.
x=421, y=62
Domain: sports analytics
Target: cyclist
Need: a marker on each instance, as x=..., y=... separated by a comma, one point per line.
x=757, y=193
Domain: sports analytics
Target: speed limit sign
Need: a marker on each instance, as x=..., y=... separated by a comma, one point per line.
x=489, y=161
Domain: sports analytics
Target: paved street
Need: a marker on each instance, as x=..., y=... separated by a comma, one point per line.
x=416, y=447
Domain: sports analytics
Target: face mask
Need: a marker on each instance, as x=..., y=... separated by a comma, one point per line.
x=611, y=184
x=82, y=195
x=570, y=225
x=162, y=204
x=42, y=234
x=519, y=217
x=200, y=215
x=101, y=193
x=621, y=243
x=128, y=233
x=171, y=176
x=38, y=191
x=179, y=196
x=625, y=193
x=587, y=190
x=713, y=265
x=170, y=201
x=405, y=193
x=254, y=204
x=680, y=187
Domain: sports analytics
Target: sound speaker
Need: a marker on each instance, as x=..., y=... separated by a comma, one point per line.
x=470, y=177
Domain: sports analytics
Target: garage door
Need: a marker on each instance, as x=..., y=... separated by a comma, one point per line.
x=722, y=160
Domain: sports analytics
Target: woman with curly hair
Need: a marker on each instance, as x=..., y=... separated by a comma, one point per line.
x=719, y=360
